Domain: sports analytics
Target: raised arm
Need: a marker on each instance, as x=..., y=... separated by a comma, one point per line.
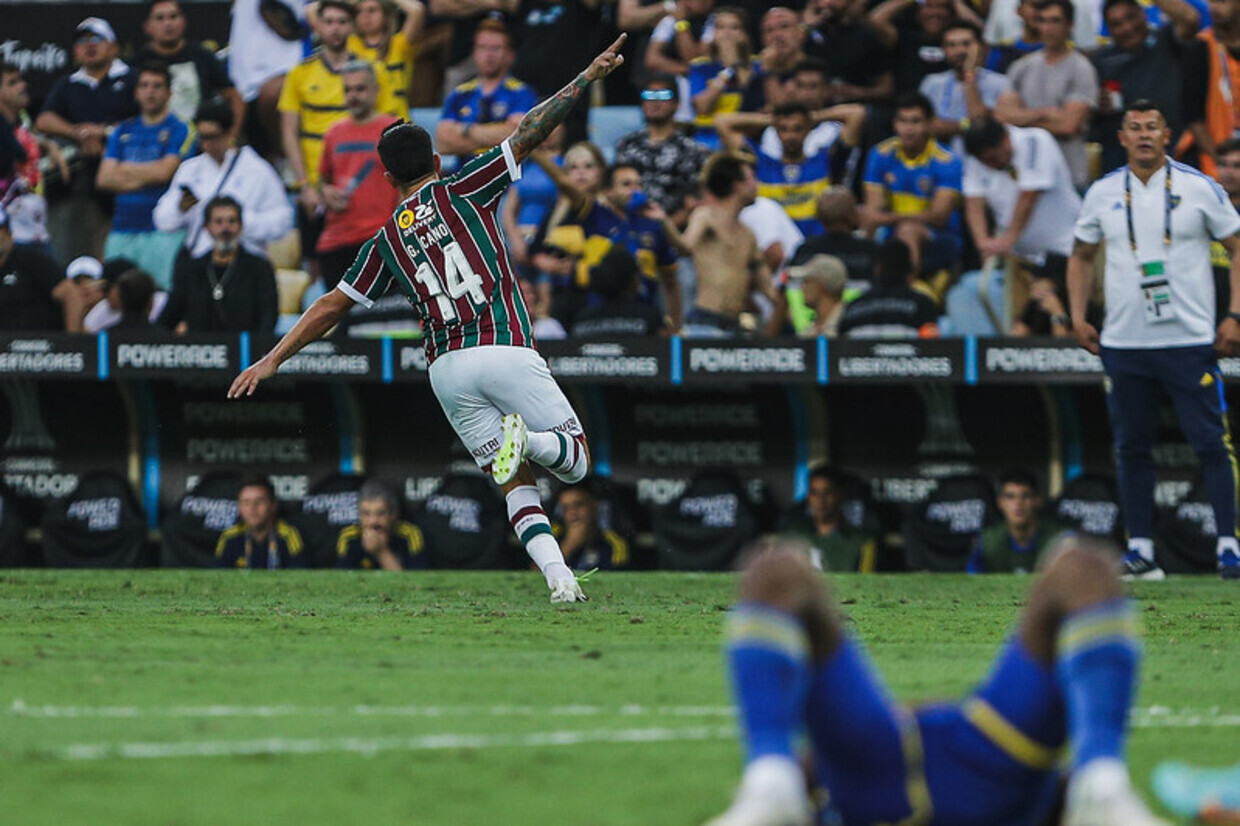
x=546, y=116
x=734, y=127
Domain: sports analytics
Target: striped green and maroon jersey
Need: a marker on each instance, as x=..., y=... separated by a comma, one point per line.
x=445, y=250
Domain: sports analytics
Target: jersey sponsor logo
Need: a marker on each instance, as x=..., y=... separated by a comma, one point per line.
x=405, y=219
x=424, y=212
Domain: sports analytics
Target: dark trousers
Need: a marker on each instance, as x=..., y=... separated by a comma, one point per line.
x=1191, y=377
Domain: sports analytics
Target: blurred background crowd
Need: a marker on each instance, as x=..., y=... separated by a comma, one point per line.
x=829, y=167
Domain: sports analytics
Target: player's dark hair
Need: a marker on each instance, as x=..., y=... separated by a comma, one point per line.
x=155, y=67
x=722, y=171
x=1019, y=476
x=1144, y=105
x=221, y=202
x=790, y=107
x=257, y=480
x=1065, y=6
x=984, y=133
x=7, y=68
x=215, y=110
x=915, y=100
x=407, y=152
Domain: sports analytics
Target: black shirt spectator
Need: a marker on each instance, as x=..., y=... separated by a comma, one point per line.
x=892, y=308
x=859, y=66
x=228, y=289
x=1140, y=65
x=915, y=33
x=247, y=299
x=34, y=293
x=837, y=212
x=197, y=75
x=618, y=313
x=555, y=38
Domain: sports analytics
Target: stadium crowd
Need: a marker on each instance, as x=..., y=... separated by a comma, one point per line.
x=828, y=167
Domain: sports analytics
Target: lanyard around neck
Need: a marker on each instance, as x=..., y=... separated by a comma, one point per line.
x=1132, y=237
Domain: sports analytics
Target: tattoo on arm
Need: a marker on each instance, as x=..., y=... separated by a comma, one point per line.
x=546, y=116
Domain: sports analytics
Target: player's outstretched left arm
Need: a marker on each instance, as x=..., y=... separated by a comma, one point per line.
x=546, y=116
x=323, y=314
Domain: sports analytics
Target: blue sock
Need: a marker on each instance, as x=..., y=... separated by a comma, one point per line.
x=1097, y=653
x=768, y=652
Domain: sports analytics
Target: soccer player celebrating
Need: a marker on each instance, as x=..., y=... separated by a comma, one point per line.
x=444, y=249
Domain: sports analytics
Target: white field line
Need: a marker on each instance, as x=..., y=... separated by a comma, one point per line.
x=20, y=709
x=1151, y=717
x=374, y=745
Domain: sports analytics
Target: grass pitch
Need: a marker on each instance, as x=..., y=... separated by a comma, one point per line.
x=445, y=698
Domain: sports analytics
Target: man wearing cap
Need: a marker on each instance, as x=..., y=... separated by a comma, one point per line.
x=822, y=280
x=141, y=157
x=34, y=294
x=82, y=108
x=668, y=160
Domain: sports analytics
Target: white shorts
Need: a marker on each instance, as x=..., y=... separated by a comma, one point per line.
x=478, y=386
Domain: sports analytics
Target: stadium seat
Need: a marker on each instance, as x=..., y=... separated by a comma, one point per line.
x=100, y=525
x=608, y=124
x=705, y=528
x=939, y=534
x=12, y=533
x=465, y=524
x=190, y=533
x=329, y=506
x=1090, y=504
x=1185, y=535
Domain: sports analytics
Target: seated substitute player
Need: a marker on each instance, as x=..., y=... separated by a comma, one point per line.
x=1067, y=674
x=261, y=539
x=443, y=248
x=380, y=540
x=1016, y=544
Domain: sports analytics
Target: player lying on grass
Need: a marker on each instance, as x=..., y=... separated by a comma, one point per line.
x=1067, y=675
x=444, y=249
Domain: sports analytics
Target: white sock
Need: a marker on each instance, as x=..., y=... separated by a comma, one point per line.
x=563, y=455
x=532, y=527
x=1143, y=546
x=1100, y=778
x=1228, y=543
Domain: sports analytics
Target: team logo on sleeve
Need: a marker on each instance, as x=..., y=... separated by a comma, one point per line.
x=405, y=219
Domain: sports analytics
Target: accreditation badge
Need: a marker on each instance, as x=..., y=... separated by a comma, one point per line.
x=1156, y=293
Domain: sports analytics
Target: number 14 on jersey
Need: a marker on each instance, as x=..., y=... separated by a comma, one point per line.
x=458, y=279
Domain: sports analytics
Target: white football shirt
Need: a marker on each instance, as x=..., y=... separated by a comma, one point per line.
x=1200, y=213
x=1038, y=165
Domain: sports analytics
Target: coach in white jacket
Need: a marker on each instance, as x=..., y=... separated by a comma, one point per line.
x=223, y=169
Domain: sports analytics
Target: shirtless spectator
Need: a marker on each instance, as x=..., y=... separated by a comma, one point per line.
x=725, y=253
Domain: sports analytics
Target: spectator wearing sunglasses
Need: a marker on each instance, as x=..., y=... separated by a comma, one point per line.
x=668, y=160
